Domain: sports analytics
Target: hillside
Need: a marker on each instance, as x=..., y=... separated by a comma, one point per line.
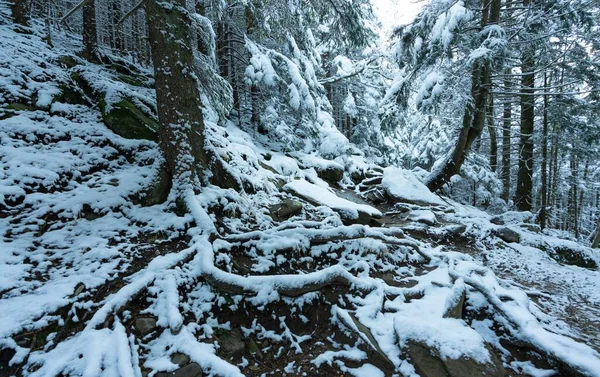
x=317, y=261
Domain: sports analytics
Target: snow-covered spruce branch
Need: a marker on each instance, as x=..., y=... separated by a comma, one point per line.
x=358, y=68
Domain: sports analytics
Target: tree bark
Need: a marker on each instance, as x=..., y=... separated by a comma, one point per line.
x=544, y=189
x=181, y=131
x=524, y=176
x=90, y=34
x=475, y=112
x=19, y=12
x=506, y=141
x=596, y=241
x=493, y=138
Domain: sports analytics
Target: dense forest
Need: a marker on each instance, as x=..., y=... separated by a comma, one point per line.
x=268, y=187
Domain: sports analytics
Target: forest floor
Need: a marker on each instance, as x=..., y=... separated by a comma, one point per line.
x=286, y=264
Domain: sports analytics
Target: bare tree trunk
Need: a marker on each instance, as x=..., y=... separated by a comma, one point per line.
x=19, y=12
x=596, y=241
x=544, y=190
x=524, y=177
x=493, y=138
x=474, y=116
x=506, y=141
x=90, y=34
x=181, y=130
x=573, y=196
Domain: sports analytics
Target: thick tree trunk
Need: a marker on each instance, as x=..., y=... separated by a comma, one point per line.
x=506, y=141
x=181, y=130
x=474, y=116
x=19, y=12
x=493, y=138
x=523, y=194
x=90, y=34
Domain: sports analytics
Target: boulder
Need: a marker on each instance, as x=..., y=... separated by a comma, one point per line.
x=126, y=120
x=428, y=364
x=350, y=212
x=507, y=235
x=190, y=370
x=145, y=325
x=332, y=173
x=285, y=209
x=534, y=228
x=574, y=257
x=254, y=349
x=232, y=344
x=180, y=359
x=456, y=300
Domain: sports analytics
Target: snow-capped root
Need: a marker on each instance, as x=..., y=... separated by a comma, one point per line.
x=269, y=287
x=571, y=356
x=306, y=239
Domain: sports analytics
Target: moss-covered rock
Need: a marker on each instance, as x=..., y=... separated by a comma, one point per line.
x=331, y=174
x=126, y=120
x=70, y=94
x=132, y=80
x=11, y=110
x=572, y=257
x=68, y=61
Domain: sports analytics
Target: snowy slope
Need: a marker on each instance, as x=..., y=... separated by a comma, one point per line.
x=93, y=283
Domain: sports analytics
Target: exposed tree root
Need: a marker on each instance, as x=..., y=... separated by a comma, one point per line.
x=529, y=340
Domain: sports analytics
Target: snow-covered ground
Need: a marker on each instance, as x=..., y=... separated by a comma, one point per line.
x=83, y=265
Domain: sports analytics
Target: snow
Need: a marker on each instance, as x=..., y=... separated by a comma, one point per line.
x=327, y=198
x=69, y=190
x=405, y=186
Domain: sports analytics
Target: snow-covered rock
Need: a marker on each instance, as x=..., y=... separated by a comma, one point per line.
x=403, y=185
x=320, y=196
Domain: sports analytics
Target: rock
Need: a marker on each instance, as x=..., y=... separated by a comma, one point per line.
x=79, y=288
x=365, y=334
x=357, y=176
x=145, y=325
x=456, y=300
x=190, y=370
x=157, y=192
x=71, y=95
x=507, y=235
x=565, y=255
x=349, y=211
x=285, y=209
x=222, y=177
x=126, y=120
x=534, y=228
x=68, y=61
x=232, y=344
x=254, y=350
x=423, y=216
x=429, y=364
x=331, y=174
x=180, y=359
x=513, y=217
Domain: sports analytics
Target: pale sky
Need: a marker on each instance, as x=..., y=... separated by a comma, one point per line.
x=393, y=13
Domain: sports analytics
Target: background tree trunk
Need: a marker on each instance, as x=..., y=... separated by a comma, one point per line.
x=596, y=241
x=506, y=140
x=19, y=10
x=475, y=113
x=524, y=176
x=90, y=33
x=493, y=139
x=181, y=130
x=544, y=189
